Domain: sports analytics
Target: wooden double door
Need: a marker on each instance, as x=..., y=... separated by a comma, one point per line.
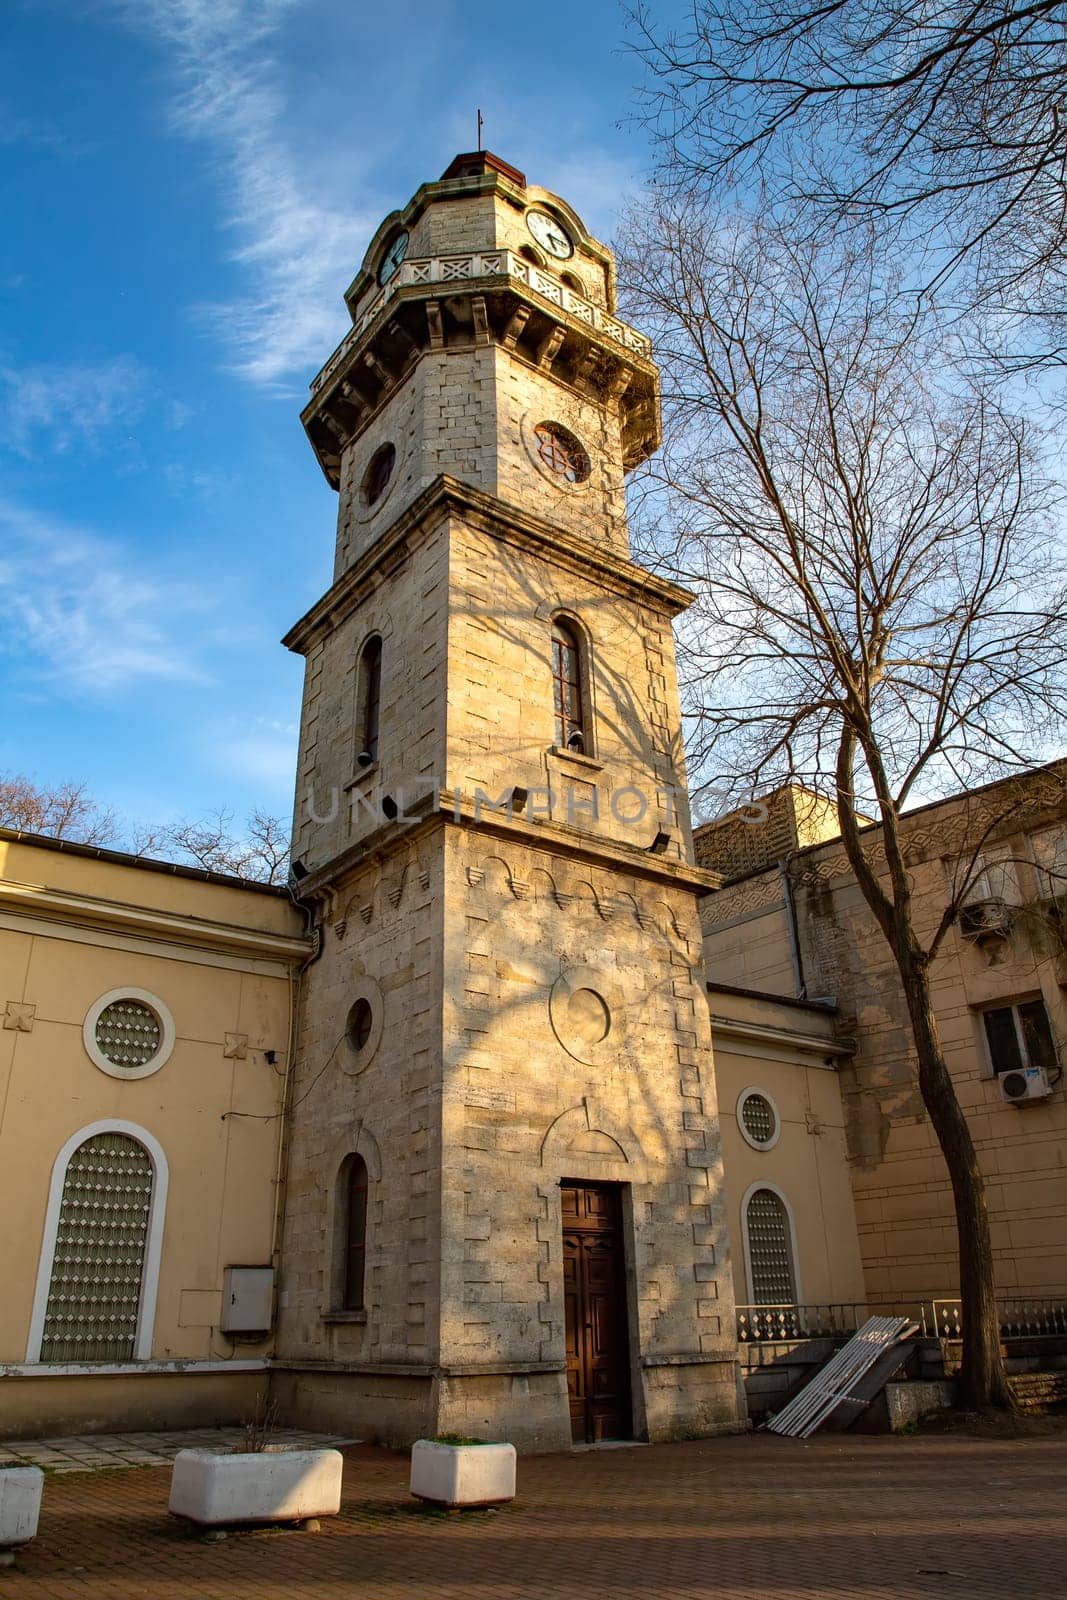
x=594, y=1279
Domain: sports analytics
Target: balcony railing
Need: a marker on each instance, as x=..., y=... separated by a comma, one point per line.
x=1028, y=1318
x=479, y=265
x=766, y=1324
x=1031, y=1317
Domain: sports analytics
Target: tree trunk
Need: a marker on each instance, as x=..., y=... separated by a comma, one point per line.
x=983, y=1381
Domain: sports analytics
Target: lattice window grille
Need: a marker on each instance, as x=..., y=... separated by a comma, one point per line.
x=759, y=1119
x=561, y=452
x=95, y=1289
x=128, y=1033
x=770, y=1257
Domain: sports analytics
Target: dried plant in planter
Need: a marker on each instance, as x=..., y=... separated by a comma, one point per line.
x=258, y=1429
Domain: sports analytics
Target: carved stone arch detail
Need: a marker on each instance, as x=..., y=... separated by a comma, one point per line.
x=667, y=920
x=543, y=885
x=582, y=889
x=357, y=1140
x=394, y=887
x=364, y=903
x=587, y=1141
x=496, y=873
x=376, y=620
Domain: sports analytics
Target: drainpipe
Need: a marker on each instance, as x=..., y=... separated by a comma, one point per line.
x=794, y=928
x=281, y=1172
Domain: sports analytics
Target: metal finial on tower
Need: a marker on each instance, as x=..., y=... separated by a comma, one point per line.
x=481, y=123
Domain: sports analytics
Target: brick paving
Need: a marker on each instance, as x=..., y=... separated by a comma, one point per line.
x=756, y=1518
x=88, y=1452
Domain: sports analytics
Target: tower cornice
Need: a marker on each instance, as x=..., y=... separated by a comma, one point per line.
x=449, y=302
x=582, y=847
x=500, y=520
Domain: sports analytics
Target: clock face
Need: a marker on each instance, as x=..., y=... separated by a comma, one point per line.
x=550, y=234
x=395, y=254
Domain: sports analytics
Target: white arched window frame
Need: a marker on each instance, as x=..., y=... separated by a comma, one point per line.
x=754, y=1188
x=146, y=1310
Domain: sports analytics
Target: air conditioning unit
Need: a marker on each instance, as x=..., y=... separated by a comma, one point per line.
x=1023, y=1084
x=985, y=919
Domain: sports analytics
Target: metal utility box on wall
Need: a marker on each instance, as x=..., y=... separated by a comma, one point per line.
x=247, y=1299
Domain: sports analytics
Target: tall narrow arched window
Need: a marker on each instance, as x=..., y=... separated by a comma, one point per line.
x=355, y=1239
x=769, y=1249
x=368, y=702
x=97, y=1269
x=568, y=680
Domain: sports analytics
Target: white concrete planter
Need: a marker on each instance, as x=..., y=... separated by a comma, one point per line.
x=462, y=1474
x=20, y=1504
x=272, y=1485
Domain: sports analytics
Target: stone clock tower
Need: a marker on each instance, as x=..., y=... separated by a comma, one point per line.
x=503, y=1192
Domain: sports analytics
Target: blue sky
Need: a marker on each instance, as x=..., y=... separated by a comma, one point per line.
x=187, y=188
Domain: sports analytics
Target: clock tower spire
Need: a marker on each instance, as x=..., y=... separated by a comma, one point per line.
x=504, y=1133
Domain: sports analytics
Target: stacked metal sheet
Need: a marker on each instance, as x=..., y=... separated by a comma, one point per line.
x=834, y=1385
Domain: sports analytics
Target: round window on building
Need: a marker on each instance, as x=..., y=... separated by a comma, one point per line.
x=360, y=1024
x=379, y=473
x=758, y=1119
x=561, y=452
x=128, y=1033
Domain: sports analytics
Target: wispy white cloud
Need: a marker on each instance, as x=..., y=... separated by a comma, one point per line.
x=49, y=409
x=295, y=249
x=78, y=615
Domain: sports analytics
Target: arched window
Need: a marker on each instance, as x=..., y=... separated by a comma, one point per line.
x=769, y=1249
x=572, y=732
x=100, y=1259
x=354, y=1213
x=368, y=702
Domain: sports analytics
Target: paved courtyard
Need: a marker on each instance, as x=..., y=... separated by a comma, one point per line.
x=86, y=1452
x=757, y=1518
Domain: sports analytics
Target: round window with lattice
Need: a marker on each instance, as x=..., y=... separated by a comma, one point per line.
x=561, y=452
x=128, y=1033
x=758, y=1119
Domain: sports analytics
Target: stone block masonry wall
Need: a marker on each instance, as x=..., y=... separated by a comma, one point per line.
x=384, y=944
x=526, y=396
x=408, y=608
x=528, y=1099
x=470, y=413
x=501, y=725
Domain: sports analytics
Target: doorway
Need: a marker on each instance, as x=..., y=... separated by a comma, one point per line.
x=594, y=1285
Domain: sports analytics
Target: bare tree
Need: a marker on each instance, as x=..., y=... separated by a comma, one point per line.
x=61, y=811
x=946, y=123
x=261, y=854
x=874, y=617
x=67, y=811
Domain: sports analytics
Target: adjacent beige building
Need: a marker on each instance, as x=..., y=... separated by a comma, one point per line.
x=800, y=926
x=145, y=1037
